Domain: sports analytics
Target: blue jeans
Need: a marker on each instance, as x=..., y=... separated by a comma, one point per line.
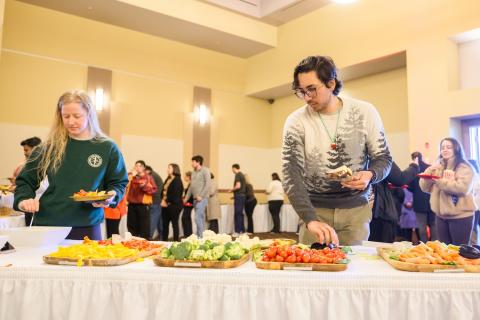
x=155, y=220
x=200, y=207
x=238, y=206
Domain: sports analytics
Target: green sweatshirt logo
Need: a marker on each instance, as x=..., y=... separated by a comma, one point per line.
x=94, y=160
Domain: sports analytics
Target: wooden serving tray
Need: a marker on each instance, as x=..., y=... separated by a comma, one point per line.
x=145, y=254
x=301, y=266
x=413, y=267
x=89, y=262
x=200, y=264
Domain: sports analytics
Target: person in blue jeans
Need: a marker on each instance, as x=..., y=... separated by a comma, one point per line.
x=239, y=194
x=155, y=208
x=200, y=189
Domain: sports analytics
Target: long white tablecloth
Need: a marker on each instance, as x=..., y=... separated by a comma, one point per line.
x=368, y=289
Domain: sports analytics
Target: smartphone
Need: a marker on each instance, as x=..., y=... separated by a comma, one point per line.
x=7, y=248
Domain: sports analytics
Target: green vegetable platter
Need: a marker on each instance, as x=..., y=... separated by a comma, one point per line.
x=203, y=254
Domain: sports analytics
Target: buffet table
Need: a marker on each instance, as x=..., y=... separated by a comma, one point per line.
x=368, y=289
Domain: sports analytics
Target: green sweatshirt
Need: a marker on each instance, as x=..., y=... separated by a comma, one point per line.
x=88, y=165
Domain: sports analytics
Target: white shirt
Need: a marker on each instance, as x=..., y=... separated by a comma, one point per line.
x=275, y=191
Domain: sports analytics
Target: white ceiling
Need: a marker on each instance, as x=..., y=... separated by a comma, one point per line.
x=275, y=12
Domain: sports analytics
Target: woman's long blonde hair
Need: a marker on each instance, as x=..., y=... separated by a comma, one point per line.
x=52, y=150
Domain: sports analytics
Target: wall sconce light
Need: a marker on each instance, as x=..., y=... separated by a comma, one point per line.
x=202, y=114
x=99, y=99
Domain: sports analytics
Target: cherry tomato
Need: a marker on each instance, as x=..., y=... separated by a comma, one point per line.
x=279, y=259
x=306, y=258
x=322, y=260
x=282, y=253
x=290, y=251
x=265, y=258
x=291, y=259
x=299, y=259
x=298, y=252
x=271, y=252
x=315, y=258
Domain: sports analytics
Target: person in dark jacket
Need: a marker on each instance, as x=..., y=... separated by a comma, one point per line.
x=155, y=208
x=187, y=208
x=388, y=202
x=250, y=203
x=421, y=203
x=172, y=201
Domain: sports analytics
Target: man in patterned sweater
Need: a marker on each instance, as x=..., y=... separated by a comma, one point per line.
x=325, y=134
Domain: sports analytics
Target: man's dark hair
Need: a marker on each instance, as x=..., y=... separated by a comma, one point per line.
x=147, y=167
x=31, y=142
x=417, y=154
x=142, y=163
x=198, y=158
x=323, y=66
x=236, y=166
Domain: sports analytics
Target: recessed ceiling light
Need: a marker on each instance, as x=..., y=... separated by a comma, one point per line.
x=344, y=1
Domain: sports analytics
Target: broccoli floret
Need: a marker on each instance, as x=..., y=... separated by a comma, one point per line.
x=197, y=255
x=234, y=251
x=165, y=253
x=228, y=245
x=208, y=243
x=218, y=251
x=209, y=256
x=182, y=250
x=204, y=247
x=224, y=258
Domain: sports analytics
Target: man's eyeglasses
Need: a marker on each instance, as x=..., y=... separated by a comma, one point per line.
x=311, y=92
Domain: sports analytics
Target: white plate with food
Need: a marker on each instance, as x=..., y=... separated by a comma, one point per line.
x=342, y=173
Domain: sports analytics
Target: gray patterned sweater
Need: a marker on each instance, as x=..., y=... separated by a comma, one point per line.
x=307, y=155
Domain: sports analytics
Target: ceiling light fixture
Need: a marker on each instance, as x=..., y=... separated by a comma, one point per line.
x=344, y=1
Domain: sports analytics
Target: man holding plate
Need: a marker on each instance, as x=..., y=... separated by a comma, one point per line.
x=327, y=133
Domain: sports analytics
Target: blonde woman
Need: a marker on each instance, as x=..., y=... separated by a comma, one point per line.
x=76, y=155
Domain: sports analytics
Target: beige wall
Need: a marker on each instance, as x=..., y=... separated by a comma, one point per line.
x=2, y=11
x=45, y=53
x=152, y=85
x=30, y=87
